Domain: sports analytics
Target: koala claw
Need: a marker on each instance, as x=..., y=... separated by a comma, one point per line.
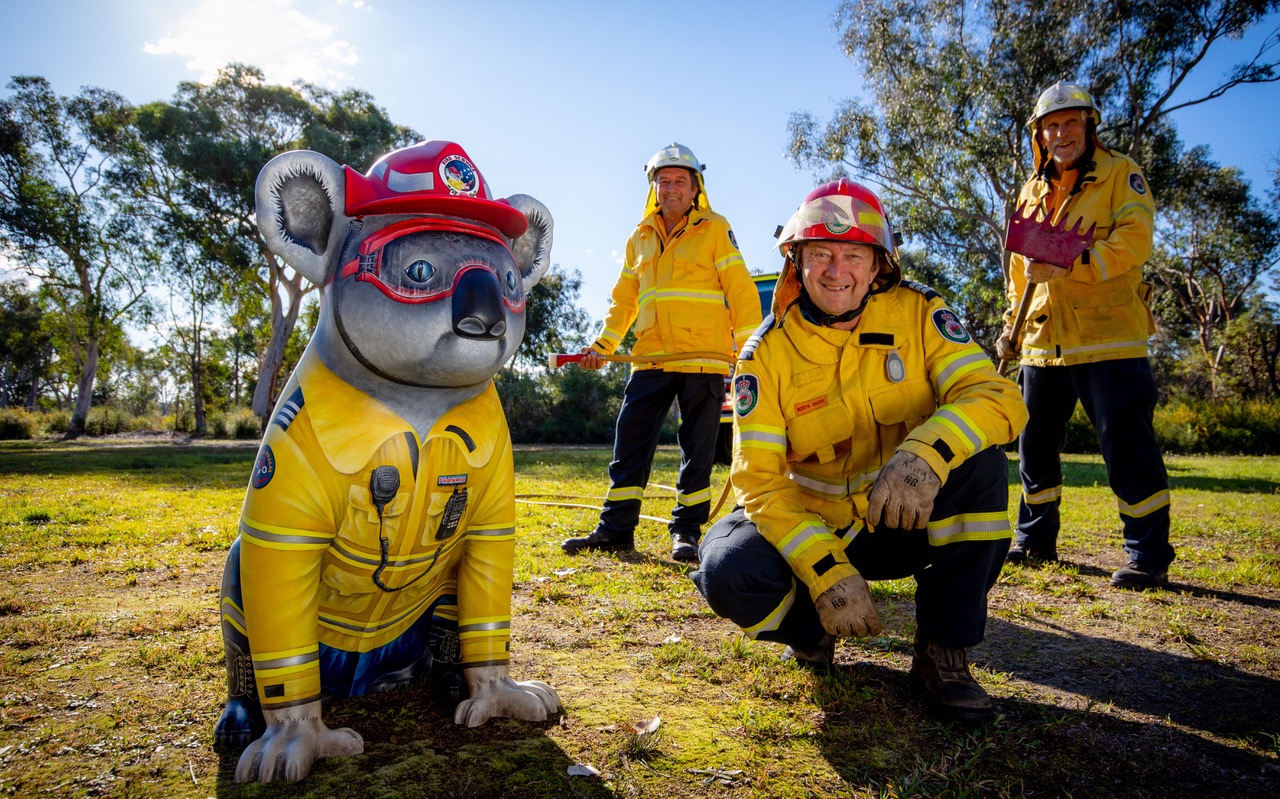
x=494, y=695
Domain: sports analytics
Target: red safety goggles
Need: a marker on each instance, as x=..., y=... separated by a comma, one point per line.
x=421, y=281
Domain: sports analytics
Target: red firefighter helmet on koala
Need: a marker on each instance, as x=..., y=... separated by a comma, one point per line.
x=431, y=177
x=841, y=210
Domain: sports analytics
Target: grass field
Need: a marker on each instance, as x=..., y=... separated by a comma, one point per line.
x=111, y=671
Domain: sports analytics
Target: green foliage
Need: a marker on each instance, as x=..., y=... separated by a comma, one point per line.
x=104, y=421
x=568, y=406
x=1203, y=427
x=17, y=423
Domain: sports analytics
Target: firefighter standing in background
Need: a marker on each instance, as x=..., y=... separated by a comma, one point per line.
x=686, y=288
x=869, y=431
x=1086, y=338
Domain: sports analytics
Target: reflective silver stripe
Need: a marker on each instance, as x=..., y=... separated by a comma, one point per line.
x=1032, y=352
x=490, y=625
x=1042, y=497
x=775, y=617
x=779, y=439
x=945, y=375
x=970, y=527
x=233, y=613
x=497, y=531
x=361, y=628
x=964, y=425
x=1155, y=502
x=696, y=498
x=349, y=555
x=319, y=540
x=281, y=663
x=801, y=538
x=818, y=485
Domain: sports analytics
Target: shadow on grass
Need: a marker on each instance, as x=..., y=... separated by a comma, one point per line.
x=1088, y=570
x=412, y=748
x=878, y=737
x=1198, y=694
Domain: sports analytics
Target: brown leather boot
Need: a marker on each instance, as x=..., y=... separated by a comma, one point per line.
x=942, y=673
x=820, y=656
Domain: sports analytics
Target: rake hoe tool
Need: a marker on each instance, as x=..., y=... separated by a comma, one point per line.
x=1041, y=240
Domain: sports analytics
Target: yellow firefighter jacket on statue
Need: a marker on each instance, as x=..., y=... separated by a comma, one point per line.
x=317, y=559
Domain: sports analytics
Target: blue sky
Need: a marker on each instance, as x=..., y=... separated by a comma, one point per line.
x=561, y=100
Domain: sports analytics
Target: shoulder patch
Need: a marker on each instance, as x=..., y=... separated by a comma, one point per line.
x=749, y=349
x=264, y=468
x=1137, y=183
x=289, y=409
x=732, y=240
x=746, y=394
x=949, y=326
x=928, y=293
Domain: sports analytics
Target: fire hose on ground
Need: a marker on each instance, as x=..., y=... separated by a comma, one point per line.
x=557, y=359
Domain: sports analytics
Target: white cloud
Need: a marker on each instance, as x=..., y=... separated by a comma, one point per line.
x=273, y=35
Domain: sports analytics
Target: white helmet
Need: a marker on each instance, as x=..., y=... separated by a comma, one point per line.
x=1062, y=96
x=674, y=154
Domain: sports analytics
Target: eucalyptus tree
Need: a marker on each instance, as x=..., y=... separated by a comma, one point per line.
x=941, y=128
x=203, y=151
x=65, y=221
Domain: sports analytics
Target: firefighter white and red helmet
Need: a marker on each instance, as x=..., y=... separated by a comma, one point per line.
x=841, y=210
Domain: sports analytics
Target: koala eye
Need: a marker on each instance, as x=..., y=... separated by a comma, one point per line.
x=511, y=281
x=420, y=271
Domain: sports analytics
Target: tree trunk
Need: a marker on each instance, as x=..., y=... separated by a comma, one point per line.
x=84, y=389
x=197, y=389
x=282, y=323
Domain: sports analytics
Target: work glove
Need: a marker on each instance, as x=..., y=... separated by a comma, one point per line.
x=1041, y=272
x=903, y=494
x=846, y=610
x=1005, y=349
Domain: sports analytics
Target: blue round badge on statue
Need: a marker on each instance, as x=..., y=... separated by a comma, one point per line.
x=459, y=175
x=264, y=468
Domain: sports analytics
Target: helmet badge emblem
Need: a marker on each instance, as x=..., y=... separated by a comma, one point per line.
x=459, y=175
x=836, y=225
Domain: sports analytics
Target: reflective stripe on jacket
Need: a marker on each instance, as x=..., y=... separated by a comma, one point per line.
x=819, y=411
x=1100, y=310
x=688, y=293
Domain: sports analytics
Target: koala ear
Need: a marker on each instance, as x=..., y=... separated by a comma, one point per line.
x=300, y=199
x=533, y=249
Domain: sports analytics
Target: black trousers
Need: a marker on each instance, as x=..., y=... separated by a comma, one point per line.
x=645, y=404
x=1119, y=397
x=745, y=579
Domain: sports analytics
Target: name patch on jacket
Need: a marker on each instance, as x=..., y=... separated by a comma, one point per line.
x=949, y=326
x=810, y=405
x=746, y=394
x=451, y=480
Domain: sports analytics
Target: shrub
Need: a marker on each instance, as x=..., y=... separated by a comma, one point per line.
x=105, y=421
x=244, y=424
x=56, y=423
x=215, y=425
x=1191, y=426
x=18, y=423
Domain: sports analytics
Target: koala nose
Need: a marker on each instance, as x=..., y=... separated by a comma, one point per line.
x=477, y=306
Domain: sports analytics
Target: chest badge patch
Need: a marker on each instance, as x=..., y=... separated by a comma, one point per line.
x=746, y=394
x=1137, y=183
x=949, y=326
x=894, y=369
x=264, y=468
x=810, y=405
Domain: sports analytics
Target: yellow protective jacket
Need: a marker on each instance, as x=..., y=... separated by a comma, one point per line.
x=310, y=541
x=687, y=293
x=819, y=411
x=1099, y=311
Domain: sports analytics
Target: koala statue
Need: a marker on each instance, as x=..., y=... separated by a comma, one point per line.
x=377, y=533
